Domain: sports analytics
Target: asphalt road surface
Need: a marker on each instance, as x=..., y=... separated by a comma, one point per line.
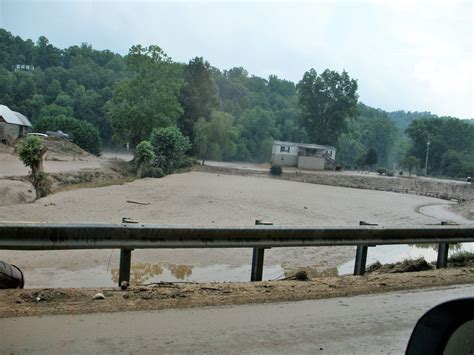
x=371, y=324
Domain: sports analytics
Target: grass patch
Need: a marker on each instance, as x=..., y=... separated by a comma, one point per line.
x=462, y=257
x=407, y=265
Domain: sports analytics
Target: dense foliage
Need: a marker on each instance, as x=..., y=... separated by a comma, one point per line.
x=169, y=146
x=147, y=98
x=451, y=145
x=84, y=134
x=225, y=114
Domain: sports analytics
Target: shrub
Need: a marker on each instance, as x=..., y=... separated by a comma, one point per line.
x=152, y=172
x=400, y=173
x=462, y=257
x=381, y=171
x=143, y=157
x=83, y=133
x=276, y=170
x=390, y=173
x=170, y=146
x=31, y=152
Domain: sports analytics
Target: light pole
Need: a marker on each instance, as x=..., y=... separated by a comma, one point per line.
x=427, y=153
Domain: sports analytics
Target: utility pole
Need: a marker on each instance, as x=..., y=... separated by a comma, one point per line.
x=427, y=153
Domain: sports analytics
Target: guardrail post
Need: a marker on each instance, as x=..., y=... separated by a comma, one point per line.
x=258, y=255
x=360, y=260
x=125, y=262
x=257, y=264
x=442, y=261
x=125, y=259
x=361, y=254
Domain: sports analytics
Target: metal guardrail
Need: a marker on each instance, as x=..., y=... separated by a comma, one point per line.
x=126, y=236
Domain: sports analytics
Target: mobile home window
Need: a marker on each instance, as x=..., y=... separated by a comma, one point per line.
x=284, y=149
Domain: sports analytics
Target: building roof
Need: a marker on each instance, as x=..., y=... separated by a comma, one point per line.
x=13, y=117
x=24, y=120
x=304, y=145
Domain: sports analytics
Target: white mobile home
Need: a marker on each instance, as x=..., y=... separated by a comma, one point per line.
x=12, y=125
x=304, y=156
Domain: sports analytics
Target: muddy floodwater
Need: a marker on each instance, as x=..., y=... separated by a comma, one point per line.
x=223, y=200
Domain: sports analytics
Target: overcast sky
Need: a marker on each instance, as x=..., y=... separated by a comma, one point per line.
x=411, y=55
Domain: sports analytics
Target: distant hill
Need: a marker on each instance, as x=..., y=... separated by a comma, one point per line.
x=403, y=119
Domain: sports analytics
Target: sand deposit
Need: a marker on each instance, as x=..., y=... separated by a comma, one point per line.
x=197, y=198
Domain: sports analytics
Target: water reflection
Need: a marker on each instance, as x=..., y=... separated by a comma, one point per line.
x=140, y=273
x=452, y=247
x=389, y=254
x=313, y=272
x=180, y=271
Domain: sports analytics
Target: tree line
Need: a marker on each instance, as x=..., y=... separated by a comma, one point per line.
x=146, y=99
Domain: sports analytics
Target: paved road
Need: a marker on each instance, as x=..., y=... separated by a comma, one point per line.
x=363, y=325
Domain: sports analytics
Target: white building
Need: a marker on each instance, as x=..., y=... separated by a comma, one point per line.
x=304, y=156
x=12, y=125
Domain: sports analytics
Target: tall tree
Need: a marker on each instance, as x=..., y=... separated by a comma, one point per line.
x=199, y=94
x=148, y=98
x=326, y=101
x=216, y=139
x=257, y=134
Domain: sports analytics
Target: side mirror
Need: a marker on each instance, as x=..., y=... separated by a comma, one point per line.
x=445, y=329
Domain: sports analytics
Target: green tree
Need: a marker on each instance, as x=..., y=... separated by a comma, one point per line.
x=216, y=139
x=147, y=99
x=258, y=131
x=83, y=133
x=31, y=152
x=381, y=134
x=198, y=96
x=169, y=146
x=444, y=134
x=326, y=101
x=52, y=92
x=143, y=156
x=411, y=162
x=371, y=158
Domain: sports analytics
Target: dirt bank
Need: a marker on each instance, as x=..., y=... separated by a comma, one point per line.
x=448, y=190
x=13, y=192
x=15, y=303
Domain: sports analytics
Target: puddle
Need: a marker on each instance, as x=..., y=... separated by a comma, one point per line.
x=394, y=253
x=442, y=213
x=143, y=273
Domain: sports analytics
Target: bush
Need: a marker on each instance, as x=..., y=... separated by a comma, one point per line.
x=390, y=173
x=276, y=170
x=381, y=171
x=83, y=133
x=170, y=146
x=152, y=172
x=31, y=152
x=400, y=172
x=462, y=257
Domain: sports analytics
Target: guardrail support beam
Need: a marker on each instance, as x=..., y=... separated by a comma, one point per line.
x=125, y=263
x=256, y=273
x=360, y=260
x=258, y=255
x=442, y=261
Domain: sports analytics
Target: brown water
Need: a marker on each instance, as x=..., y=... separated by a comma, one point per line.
x=143, y=273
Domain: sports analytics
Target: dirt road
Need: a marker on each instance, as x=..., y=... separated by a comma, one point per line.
x=359, y=325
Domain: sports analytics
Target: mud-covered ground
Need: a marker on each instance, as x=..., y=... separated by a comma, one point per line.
x=197, y=198
x=203, y=198
x=17, y=303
